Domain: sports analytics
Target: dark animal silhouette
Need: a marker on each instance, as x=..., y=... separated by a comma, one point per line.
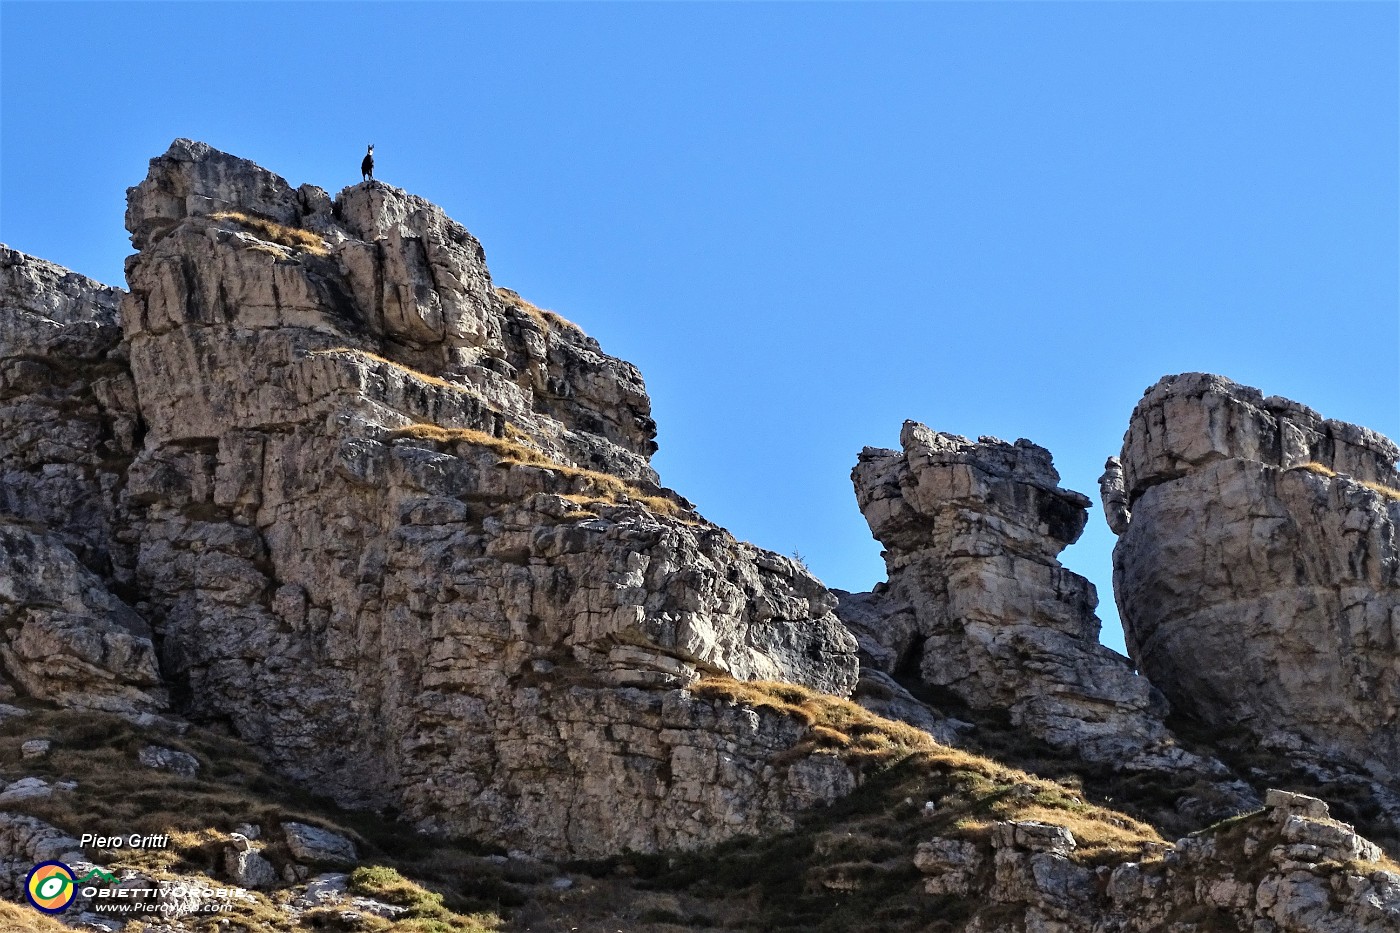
x=367, y=166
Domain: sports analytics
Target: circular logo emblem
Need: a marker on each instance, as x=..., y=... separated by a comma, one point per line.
x=50, y=887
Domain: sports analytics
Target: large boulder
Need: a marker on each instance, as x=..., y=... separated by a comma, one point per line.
x=1257, y=571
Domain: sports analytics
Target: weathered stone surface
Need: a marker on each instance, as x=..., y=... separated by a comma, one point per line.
x=26, y=789
x=1259, y=577
x=1031, y=836
x=65, y=638
x=248, y=868
x=68, y=421
x=1283, y=804
x=950, y=866
x=25, y=841
x=1114, y=495
x=977, y=603
x=400, y=528
x=35, y=748
x=168, y=759
x=312, y=844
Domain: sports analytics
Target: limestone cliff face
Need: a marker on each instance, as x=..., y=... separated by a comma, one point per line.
x=68, y=421
x=1258, y=571
x=399, y=527
x=68, y=431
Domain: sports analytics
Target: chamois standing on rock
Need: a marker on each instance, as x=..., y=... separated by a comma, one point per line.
x=367, y=166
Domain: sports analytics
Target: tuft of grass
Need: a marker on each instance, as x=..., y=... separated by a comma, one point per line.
x=16, y=918
x=426, y=913
x=273, y=232
x=1239, y=819
x=1387, y=491
x=600, y=487
x=858, y=735
x=1390, y=492
x=546, y=319
x=355, y=353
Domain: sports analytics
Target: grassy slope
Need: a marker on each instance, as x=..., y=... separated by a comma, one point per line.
x=116, y=795
x=847, y=867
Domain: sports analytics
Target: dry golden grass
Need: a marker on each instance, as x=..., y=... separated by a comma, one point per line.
x=601, y=487
x=273, y=232
x=355, y=353
x=425, y=911
x=507, y=449
x=546, y=319
x=1389, y=492
x=21, y=918
x=984, y=790
x=234, y=786
x=833, y=723
x=1101, y=836
x=1385, y=863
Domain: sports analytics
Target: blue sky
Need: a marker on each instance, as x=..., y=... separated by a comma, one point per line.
x=807, y=223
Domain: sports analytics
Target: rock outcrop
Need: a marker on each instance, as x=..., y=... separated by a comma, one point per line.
x=399, y=527
x=1258, y=577
x=978, y=606
x=1288, y=869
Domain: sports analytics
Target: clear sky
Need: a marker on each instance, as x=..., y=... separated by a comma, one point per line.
x=807, y=223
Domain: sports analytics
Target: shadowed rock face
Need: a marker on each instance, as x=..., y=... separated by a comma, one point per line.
x=399, y=527
x=66, y=638
x=68, y=420
x=978, y=604
x=1259, y=575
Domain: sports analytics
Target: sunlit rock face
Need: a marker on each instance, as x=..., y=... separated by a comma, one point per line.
x=399, y=527
x=1259, y=576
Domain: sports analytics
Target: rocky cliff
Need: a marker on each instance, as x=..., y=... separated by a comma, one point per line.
x=317, y=483
x=398, y=526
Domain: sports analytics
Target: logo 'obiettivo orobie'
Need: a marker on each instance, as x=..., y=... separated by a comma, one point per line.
x=51, y=887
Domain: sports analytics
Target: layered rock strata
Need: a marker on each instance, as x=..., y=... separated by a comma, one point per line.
x=977, y=604
x=399, y=527
x=1258, y=572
